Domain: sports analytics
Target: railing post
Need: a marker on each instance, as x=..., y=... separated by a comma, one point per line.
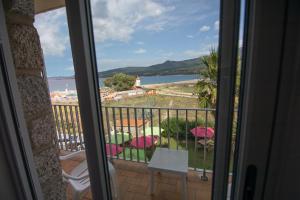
x=108, y=132
x=122, y=132
x=204, y=177
x=78, y=120
x=168, y=119
x=115, y=131
x=73, y=125
x=151, y=122
x=195, y=144
x=159, y=126
x=186, y=129
x=63, y=126
x=129, y=131
x=136, y=135
x=58, y=127
x=143, y=114
x=177, y=137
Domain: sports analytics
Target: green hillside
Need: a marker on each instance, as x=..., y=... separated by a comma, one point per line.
x=191, y=66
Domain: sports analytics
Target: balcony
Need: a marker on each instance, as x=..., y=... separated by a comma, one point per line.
x=133, y=182
x=157, y=127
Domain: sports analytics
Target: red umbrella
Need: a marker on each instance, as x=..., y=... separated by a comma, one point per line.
x=142, y=142
x=115, y=149
x=200, y=132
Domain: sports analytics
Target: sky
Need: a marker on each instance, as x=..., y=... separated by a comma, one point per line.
x=134, y=33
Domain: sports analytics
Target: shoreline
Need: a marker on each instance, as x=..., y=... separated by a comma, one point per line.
x=193, y=81
x=146, y=86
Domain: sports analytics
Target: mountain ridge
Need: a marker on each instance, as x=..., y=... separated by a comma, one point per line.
x=169, y=67
x=189, y=66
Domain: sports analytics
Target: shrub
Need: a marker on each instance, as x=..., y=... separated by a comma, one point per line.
x=120, y=82
x=180, y=126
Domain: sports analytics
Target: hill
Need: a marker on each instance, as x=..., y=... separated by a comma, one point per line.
x=190, y=66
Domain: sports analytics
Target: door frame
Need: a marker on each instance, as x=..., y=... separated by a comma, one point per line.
x=87, y=83
x=261, y=66
x=227, y=67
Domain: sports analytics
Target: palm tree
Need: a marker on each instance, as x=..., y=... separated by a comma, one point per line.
x=206, y=88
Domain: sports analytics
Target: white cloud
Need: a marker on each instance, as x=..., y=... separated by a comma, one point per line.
x=118, y=19
x=195, y=53
x=140, y=43
x=49, y=26
x=140, y=51
x=190, y=36
x=204, y=28
x=216, y=25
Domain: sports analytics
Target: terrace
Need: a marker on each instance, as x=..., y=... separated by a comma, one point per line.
x=165, y=127
x=133, y=179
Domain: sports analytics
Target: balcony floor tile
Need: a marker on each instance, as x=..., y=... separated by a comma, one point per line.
x=133, y=180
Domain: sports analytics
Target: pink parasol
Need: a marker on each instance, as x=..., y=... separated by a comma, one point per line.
x=143, y=141
x=115, y=149
x=200, y=132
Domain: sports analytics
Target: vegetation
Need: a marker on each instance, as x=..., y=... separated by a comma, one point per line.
x=190, y=66
x=155, y=101
x=181, y=127
x=206, y=88
x=186, y=88
x=120, y=82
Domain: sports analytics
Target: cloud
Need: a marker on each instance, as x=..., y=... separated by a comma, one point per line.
x=118, y=19
x=195, y=53
x=216, y=25
x=204, y=28
x=190, y=36
x=140, y=51
x=51, y=26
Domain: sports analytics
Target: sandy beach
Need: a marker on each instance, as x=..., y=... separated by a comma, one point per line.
x=170, y=84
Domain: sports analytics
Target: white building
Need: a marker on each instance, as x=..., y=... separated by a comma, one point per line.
x=137, y=82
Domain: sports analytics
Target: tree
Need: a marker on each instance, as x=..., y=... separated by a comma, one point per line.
x=120, y=82
x=206, y=88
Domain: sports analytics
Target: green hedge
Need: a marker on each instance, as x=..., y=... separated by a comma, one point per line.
x=179, y=126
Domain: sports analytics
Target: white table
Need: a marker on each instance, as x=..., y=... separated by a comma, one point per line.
x=168, y=160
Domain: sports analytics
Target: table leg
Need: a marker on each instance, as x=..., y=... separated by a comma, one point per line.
x=184, y=187
x=151, y=182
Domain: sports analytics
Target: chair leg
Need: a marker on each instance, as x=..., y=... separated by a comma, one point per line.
x=114, y=185
x=75, y=195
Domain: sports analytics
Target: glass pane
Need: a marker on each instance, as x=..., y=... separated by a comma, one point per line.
x=235, y=130
x=52, y=27
x=157, y=64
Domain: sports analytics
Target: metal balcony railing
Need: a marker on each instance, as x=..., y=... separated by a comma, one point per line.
x=133, y=133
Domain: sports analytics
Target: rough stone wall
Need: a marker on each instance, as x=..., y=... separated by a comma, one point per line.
x=28, y=60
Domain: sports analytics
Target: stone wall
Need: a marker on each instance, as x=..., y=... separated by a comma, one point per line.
x=28, y=60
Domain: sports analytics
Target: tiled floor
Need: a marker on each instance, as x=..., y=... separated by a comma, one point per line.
x=133, y=180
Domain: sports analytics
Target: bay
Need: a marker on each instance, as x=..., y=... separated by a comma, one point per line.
x=61, y=84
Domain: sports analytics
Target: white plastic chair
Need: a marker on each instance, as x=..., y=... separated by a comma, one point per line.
x=79, y=177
